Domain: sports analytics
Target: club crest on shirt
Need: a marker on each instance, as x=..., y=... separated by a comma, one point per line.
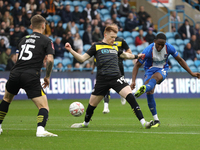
x=166, y=55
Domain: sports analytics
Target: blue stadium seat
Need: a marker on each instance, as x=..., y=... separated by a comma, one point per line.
x=193, y=69
x=76, y=3
x=176, y=47
x=81, y=32
x=144, y=33
x=64, y=25
x=56, y=18
x=86, y=47
x=197, y=63
x=128, y=62
x=109, y=4
x=80, y=8
x=140, y=48
x=71, y=8
x=67, y=3
x=169, y=35
x=56, y=61
x=118, y=4
x=29, y=31
x=81, y=26
x=49, y=18
x=104, y=11
x=84, y=3
x=122, y=19
x=106, y=17
x=126, y=34
x=198, y=56
x=171, y=41
x=176, y=69
x=66, y=54
x=174, y=62
x=132, y=47
x=129, y=40
x=186, y=41
x=198, y=69
x=179, y=42
x=181, y=48
x=66, y=61
x=190, y=62
x=134, y=34
x=120, y=34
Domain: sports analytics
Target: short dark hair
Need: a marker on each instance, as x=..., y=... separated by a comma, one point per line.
x=37, y=21
x=111, y=27
x=161, y=36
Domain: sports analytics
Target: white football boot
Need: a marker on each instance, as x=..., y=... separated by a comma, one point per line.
x=41, y=132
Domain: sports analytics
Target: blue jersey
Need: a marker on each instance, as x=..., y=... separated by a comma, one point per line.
x=153, y=58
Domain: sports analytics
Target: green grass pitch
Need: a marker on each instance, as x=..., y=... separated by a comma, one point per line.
x=118, y=130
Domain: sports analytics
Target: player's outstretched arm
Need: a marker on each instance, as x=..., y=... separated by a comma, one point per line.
x=182, y=62
x=79, y=57
x=126, y=55
x=49, y=66
x=134, y=74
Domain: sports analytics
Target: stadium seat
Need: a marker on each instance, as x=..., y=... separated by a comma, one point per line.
x=128, y=63
x=126, y=34
x=56, y=61
x=84, y=3
x=174, y=62
x=109, y=4
x=29, y=31
x=140, y=48
x=67, y=3
x=181, y=48
x=186, y=41
x=66, y=54
x=169, y=35
x=132, y=47
x=64, y=25
x=193, y=69
x=171, y=41
x=118, y=4
x=144, y=33
x=176, y=69
x=198, y=69
x=183, y=70
x=104, y=12
x=176, y=47
x=81, y=26
x=106, y=17
x=66, y=61
x=190, y=62
x=76, y=3
x=49, y=18
x=56, y=18
x=198, y=56
x=197, y=63
x=71, y=8
x=122, y=19
x=129, y=40
x=80, y=8
x=179, y=42
x=81, y=32
x=134, y=34
x=86, y=47
x=120, y=34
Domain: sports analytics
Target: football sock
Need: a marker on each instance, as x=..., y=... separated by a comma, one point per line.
x=107, y=97
x=134, y=105
x=89, y=113
x=150, y=85
x=3, y=110
x=152, y=104
x=42, y=117
x=155, y=117
x=105, y=105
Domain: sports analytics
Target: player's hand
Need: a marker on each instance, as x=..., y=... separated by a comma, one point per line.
x=68, y=46
x=132, y=85
x=141, y=55
x=196, y=74
x=46, y=82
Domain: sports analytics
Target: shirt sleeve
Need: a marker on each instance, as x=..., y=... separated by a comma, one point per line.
x=125, y=45
x=145, y=52
x=92, y=50
x=50, y=48
x=171, y=50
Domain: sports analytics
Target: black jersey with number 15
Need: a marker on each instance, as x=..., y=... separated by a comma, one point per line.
x=32, y=50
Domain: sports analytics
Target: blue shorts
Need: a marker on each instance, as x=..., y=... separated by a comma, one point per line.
x=151, y=71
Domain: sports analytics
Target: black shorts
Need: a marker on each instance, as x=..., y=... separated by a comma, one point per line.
x=104, y=84
x=29, y=82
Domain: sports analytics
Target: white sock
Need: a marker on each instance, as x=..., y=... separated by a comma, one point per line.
x=105, y=105
x=86, y=123
x=0, y=126
x=142, y=121
x=40, y=129
x=155, y=117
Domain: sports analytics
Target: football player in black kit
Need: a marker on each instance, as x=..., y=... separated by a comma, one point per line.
x=122, y=46
x=26, y=74
x=108, y=75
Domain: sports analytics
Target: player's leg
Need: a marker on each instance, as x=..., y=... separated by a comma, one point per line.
x=106, y=102
x=42, y=117
x=121, y=68
x=4, y=106
x=93, y=102
x=122, y=87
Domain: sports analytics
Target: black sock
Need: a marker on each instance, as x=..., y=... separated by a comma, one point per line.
x=3, y=110
x=42, y=117
x=107, y=97
x=89, y=112
x=134, y=105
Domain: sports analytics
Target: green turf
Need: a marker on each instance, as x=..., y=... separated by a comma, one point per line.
x=118, y=130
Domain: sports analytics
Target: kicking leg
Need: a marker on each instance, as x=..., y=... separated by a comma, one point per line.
x=106, y=103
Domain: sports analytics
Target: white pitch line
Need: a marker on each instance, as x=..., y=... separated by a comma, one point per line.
x=114, y=131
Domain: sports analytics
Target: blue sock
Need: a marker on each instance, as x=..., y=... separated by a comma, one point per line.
x=150, y=85
x=152, y=104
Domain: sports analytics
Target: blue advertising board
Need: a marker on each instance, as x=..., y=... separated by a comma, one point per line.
x=79, y=85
